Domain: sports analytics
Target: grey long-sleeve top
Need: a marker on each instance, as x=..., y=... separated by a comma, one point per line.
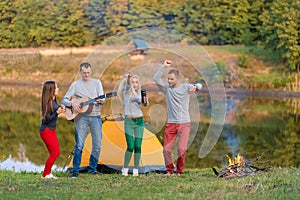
x=177, y=98
x=132, y=103
x=79, y=89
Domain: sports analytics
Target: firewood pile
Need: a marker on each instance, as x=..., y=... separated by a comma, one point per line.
x=238, y=167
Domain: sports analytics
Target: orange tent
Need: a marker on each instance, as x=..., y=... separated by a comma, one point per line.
x=114, y=147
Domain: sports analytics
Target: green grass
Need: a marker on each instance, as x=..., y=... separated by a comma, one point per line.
x=277, y=183
x=228, y=49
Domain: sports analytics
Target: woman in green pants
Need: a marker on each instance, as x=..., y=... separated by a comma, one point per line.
x=134, y=122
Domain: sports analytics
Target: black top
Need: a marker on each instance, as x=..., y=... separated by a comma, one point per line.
x=51, y=119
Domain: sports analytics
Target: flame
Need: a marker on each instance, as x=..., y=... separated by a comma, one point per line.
x=238, y=160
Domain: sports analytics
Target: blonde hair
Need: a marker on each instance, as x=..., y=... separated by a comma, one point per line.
x=123, y=83
x=132, y=90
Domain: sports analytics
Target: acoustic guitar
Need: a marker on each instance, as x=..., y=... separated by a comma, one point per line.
x=86, y=105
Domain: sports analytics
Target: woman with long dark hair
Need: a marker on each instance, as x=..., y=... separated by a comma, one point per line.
x=50, y=111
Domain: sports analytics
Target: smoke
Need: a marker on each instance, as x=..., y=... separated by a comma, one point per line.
x=233, y=141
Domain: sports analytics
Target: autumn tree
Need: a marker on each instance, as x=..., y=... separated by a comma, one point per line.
x=280, y=31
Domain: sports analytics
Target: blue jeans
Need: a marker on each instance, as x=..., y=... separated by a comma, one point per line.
x=95, y=125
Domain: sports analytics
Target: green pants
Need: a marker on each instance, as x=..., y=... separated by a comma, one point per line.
x=134, y=130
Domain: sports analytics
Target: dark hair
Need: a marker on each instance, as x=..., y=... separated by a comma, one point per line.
x=85, y=65
x=175, y=72
x=47, y=97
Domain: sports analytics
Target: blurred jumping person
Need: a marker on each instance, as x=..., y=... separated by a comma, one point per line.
x=178, y=124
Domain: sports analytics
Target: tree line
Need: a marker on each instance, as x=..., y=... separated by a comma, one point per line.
x=272, y=24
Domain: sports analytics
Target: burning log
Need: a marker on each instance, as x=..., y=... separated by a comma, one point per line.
x=238, y=167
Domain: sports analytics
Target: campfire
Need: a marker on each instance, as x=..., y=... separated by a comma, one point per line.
x=238, y=167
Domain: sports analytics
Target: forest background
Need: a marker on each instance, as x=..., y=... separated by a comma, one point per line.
x=273, y=25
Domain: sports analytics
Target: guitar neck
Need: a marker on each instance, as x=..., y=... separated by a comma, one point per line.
x=92, y=100
x=108, y=95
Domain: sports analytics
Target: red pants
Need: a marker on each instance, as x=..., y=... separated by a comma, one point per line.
x=182, y=131
x=50, y=139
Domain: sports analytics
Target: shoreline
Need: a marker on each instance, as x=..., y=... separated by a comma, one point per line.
x=204, y=91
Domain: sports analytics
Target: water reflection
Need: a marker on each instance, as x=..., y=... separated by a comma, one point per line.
x=25, y=165
x=20, y=163
x=265, y=130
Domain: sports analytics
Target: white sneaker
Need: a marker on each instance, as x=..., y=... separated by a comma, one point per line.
x=49, y=176
x=135, y=172
x=124, y=171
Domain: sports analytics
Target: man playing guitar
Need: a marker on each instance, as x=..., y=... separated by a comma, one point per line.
x=90, y=88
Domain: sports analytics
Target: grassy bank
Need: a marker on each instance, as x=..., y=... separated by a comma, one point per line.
x=241, y=67
x=277, y=183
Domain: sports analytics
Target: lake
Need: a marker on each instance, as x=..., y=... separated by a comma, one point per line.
x=263, y=129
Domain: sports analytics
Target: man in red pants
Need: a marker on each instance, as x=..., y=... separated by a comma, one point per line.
x=178, y=125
